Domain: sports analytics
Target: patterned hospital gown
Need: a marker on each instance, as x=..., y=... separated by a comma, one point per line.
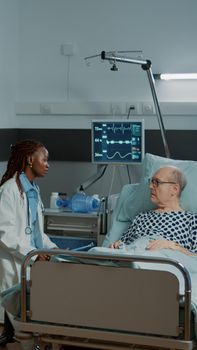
x=180, y=227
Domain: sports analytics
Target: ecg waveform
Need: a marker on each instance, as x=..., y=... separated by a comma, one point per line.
x=134, y=128
x=117, y=142
x=121, y=156
x=122, y=128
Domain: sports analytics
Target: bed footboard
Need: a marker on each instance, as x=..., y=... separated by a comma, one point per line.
x=108, y=303
x=123, y=299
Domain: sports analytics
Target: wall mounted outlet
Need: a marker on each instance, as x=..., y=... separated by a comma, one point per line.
x=131, y=109
x=67, y=49
x=148, y=108
x=117, y=108
x=45, y=108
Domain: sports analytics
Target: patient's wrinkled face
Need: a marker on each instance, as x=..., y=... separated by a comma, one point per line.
x=162, y=187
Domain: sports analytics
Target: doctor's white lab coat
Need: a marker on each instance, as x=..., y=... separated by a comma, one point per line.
x=14, y=242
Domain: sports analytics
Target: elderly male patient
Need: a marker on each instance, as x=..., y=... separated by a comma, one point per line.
x=170, y=226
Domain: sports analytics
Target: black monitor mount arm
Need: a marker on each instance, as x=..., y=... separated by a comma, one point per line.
x=145, y=65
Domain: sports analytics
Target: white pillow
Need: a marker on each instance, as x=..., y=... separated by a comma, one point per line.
x=119, y=226
x=140, y=199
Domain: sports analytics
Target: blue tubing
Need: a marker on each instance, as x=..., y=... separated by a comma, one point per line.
x=90, y=245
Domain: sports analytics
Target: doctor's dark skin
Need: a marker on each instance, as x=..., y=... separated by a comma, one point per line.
x=37, y=166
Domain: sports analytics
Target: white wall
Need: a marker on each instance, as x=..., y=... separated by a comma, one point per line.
x=164, y=30
x=8, y=61
x=33, y=70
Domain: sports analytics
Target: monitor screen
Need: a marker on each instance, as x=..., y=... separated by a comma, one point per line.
x=117, y=141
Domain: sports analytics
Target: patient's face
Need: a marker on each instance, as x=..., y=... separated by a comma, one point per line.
x=162, y=187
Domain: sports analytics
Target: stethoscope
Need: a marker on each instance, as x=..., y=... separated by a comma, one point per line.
x=28, y=228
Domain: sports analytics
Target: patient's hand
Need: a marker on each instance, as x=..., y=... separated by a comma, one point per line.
x=115, y=245
x=160, y=244
x=165, y=244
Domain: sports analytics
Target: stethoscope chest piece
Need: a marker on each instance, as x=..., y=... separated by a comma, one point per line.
x=28, y=230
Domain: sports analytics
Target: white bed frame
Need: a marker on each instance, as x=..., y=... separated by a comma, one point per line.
x=105, y=307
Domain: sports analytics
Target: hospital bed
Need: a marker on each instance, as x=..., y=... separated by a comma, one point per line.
x=103, y=301
x=92, y=301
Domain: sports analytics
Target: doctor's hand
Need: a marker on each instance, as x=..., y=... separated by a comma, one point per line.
x=43, y=257
x=115, y=245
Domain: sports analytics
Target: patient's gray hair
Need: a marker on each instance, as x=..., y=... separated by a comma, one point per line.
x=177, y=176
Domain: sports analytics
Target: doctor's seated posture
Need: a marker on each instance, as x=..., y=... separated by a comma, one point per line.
x=170, y=226
x=21, y=223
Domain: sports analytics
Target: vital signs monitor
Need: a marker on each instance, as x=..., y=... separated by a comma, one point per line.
x=117, y=141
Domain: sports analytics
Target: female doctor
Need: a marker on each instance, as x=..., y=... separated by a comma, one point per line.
x=21, y=224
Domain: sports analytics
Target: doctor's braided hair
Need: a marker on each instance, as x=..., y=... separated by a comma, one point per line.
x=18, y=160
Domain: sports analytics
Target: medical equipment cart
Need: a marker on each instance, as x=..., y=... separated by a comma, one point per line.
x=76, y=226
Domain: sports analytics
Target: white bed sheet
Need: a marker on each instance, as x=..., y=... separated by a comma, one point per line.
x=139, y=248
